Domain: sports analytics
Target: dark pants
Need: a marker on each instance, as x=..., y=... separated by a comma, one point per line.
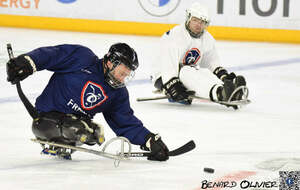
x=62, y=128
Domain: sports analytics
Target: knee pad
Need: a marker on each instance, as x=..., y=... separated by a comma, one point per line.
x=98, y=132
x=81, y=130
x=57, y=127
x=73, y=128
x=67, y=128
x=46, y=128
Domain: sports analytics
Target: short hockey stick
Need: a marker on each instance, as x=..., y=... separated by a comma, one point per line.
x=29, y=107
x=181, y=150
x=166, y=97
x=151, y=98
x=202, y=99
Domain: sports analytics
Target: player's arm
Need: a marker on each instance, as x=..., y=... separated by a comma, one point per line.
x=211, y=61
x=61, y=58
x=123, y=122
x=170, y=52
x=170, y=68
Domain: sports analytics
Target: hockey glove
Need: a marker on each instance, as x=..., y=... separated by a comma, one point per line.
x=159, y=151
x=222, y=74
x=19, y=68
x=177, y=91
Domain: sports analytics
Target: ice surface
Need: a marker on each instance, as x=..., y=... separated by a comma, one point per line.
x=235, y=143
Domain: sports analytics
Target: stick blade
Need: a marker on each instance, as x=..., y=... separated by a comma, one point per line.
x=183, y=149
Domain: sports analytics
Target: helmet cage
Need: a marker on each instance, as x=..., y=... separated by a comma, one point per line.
x=199, y=12
x=110, y=73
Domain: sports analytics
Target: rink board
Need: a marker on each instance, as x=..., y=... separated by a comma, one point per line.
x=246, y=20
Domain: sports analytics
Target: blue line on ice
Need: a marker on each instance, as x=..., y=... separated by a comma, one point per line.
x=146, y=81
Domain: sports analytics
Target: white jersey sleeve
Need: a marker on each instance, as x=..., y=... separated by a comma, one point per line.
x=178, y=48
x=170, y=53
x=210, y=58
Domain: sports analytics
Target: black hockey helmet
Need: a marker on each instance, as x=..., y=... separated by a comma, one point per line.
x=123, y=53
x=120, y=53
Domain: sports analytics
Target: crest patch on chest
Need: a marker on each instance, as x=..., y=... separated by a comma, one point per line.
x=92, y=95
x=191, y=57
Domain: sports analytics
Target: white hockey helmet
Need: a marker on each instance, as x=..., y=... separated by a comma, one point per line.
x=199, y=11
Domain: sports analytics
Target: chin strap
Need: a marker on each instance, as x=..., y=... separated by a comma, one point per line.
x=109, y=78
x=104, y=63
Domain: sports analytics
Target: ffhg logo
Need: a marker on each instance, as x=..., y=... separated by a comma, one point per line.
x=66, y=1
x=191, y=57
x=92, y=95
x=159, y=8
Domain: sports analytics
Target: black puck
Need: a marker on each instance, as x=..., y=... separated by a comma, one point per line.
x=209, y=170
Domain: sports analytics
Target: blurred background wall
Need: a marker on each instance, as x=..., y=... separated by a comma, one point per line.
x=242, y=20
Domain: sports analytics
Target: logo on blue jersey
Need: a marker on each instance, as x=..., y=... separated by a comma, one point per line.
x=191, y=57
x=66, y=1
x=159, y=8
x=92, y=95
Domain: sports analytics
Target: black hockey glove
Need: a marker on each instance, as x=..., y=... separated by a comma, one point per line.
x=18, y=69
x=177, y=91
x=222, y=74
x=159, y=151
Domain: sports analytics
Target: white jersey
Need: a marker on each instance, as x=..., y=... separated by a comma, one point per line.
x=178, y=48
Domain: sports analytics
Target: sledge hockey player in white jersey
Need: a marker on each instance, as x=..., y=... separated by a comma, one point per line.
x=189, y=64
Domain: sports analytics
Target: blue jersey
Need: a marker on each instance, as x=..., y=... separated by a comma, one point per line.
x=78, y=87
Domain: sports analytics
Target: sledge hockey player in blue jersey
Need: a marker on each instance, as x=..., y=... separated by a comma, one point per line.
x=83, y=85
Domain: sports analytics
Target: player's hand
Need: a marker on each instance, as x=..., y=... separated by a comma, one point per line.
x=18, y=69
x=238, y=80
x=177, y=91
x=154, y=144
x=231, y=76
x=223, y=75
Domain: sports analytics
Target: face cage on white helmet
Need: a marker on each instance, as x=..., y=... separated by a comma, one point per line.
x=112, y=81
x=189, y=16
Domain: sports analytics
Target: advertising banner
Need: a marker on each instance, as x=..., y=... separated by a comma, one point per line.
x=251, y=20
x=273, y=14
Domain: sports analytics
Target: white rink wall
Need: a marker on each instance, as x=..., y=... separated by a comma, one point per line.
x=259, y=20
x=274, y=14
